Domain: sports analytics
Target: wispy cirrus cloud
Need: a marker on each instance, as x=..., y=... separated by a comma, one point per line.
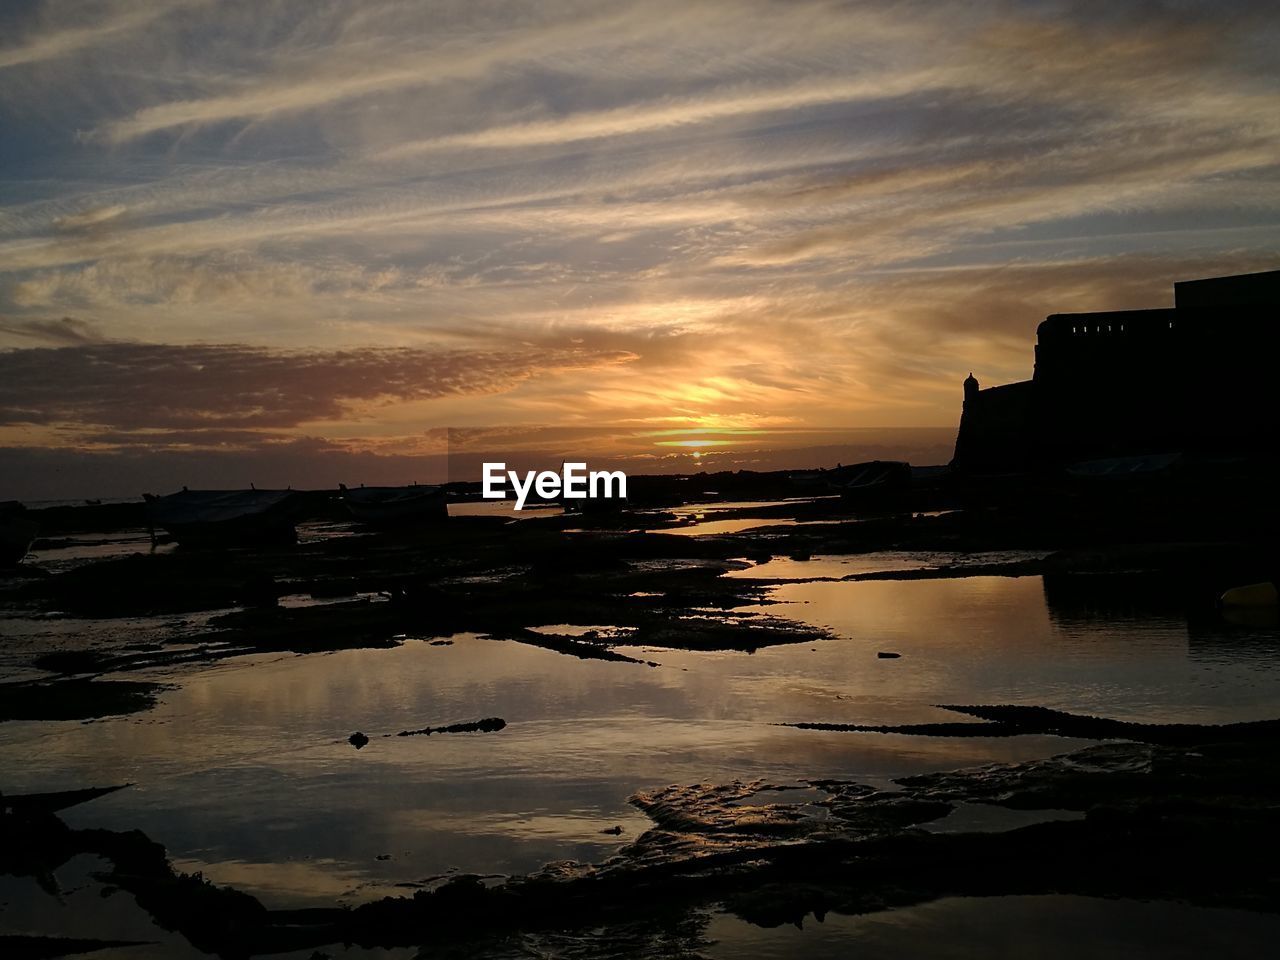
x=645, y=118
x=51, y=39
x=345, y=71
x=133, y=386
x=63, y=331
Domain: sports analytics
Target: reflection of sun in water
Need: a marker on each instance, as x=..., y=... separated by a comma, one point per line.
x=697, y=454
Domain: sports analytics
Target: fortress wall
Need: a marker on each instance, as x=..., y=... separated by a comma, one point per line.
x=1201, y=377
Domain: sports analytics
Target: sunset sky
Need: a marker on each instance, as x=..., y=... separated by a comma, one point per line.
x=289, y=240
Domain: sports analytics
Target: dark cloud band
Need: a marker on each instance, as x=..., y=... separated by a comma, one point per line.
x=134, y=386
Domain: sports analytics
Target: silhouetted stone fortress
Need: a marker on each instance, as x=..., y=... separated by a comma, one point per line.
x=1199, y=378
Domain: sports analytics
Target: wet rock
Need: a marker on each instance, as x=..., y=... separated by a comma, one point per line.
x=46, y=948
x=333, y=589
x=147, y=584
x=1012, y=720
x=612, y=831
x=75, y=699
x=358, y=740
x=1188, y=824
x=260, y=591
x=581, y=648
x=888, y=811
x=337, y=626
x=487, y=725
x=709, y=809
x=715, y=633
x=35, y=805
x=887, y=655
x=1100, y=775
x=482, y=578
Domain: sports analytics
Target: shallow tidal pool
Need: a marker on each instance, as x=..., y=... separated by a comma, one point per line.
x=244, y=771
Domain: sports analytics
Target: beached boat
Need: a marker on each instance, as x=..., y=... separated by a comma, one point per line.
x=1112, y=468
x=395, y=505
x=17, y=530
x=872, y=480
x=228, y=517
x=595, y=506
x=1262, y=594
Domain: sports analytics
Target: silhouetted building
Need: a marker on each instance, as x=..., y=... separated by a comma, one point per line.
x=1197, y=378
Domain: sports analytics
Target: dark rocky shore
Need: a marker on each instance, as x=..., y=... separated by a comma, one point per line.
x=1182, y=812
x=490, y=576
x=1195, y=823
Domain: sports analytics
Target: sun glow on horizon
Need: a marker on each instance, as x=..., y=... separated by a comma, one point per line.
x=695, y=443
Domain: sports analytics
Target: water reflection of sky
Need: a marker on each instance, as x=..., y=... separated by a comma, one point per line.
x=715, y=528
x=505, y=508
x=883, y=561
x=994, y=640
x=702, y=519
x=244, y=770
